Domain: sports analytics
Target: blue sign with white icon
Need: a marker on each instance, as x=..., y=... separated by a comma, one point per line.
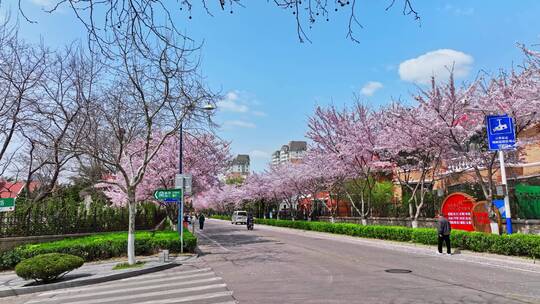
x=501, y=132
x=499, y=204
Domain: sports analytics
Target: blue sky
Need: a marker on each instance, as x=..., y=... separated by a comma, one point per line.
x=271, y=82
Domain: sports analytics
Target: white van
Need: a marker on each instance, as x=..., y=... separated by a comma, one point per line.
x=239, y=217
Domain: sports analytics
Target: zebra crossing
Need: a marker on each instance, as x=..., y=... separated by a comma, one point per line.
x=183, y=284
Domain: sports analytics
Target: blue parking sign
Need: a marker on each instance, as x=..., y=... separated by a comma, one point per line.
x=501, y=132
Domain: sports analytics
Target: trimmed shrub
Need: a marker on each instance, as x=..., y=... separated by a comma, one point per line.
x=47, y=267
x=221, y=217
x=101, y=246
x=515, y=244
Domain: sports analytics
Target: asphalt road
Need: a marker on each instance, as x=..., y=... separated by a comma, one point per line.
x=277, y=265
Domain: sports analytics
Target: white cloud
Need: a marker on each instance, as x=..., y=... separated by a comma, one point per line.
x=370, y=88
x=459, y=11
x=231, y=103
x=42, y=2
x=259, y=154
x=239, y=124
x=259, y=113
x=436, y=63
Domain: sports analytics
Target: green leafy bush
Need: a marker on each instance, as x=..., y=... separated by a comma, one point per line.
x=101, y=246
x=515, y=244
x=47, y=267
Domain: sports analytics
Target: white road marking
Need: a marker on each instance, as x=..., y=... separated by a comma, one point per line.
x=135, y=296
x=168, y=273
x=131, y=282
x=131, y=290
x=191, y=298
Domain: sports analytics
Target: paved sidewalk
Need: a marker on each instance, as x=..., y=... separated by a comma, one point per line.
x=89, y=273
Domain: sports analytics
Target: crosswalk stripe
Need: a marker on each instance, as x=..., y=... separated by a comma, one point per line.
x=123, y=283
x=169, y=273
x=191, y=298
x=135, y=296
x=131, y=290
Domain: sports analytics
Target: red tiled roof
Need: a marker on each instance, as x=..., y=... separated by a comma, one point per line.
x=13, y=189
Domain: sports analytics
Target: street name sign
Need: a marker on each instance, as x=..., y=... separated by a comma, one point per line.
x=168, y=195
x=7, y=204
x=501, y=132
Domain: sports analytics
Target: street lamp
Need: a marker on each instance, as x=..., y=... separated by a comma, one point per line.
x=208, y=108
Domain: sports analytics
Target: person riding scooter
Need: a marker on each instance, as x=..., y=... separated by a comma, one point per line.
x=249, y=221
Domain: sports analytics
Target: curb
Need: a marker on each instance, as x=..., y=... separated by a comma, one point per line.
x=61, y=285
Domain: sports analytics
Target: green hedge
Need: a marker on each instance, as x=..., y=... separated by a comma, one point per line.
x=515, y=244
x=101, y=246
x=221, y=217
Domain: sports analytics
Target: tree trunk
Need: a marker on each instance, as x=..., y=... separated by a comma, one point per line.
x=131, y=227
x=414, y=223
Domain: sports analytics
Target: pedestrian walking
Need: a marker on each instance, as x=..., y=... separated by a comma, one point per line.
x=444, y=229
x=201, y=221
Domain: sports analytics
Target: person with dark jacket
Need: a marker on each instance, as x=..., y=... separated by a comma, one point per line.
x=201, y=221
x=444, y=229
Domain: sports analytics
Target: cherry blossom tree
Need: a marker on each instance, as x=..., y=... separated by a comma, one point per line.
x=143, y=102
x=413, y=151
x=350, y=135
x=205, y=157
x=454, y=117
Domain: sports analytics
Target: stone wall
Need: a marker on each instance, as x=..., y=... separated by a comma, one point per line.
x=521, y=226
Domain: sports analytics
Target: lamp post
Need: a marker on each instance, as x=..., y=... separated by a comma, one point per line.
x=207, y=108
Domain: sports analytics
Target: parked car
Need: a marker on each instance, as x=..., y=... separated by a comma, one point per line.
x=239, y=217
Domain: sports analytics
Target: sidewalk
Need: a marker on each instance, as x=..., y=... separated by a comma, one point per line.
x=89, y=273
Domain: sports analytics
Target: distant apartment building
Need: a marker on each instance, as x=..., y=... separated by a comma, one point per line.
x=292, y=152
x=239, y=166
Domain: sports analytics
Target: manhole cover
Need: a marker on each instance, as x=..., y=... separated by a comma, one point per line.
x=398, y=270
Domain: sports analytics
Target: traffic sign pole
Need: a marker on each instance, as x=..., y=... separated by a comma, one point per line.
x=506, y=198
x=180, y=224
x=501, y=136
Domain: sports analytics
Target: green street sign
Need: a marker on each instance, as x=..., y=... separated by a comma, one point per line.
x=7, y=204
x=168, y=195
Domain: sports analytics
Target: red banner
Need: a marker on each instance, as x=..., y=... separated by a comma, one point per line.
x=457, y=208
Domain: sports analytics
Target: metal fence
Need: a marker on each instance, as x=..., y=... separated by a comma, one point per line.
x=527, y=201
x=67, y=219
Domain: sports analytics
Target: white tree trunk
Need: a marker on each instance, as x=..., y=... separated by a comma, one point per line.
x=364, y=222
x=414, y=223
x=131, y=233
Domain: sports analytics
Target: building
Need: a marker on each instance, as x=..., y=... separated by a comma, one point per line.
x=239, y=166
x=292, y=152
x=14, y=189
